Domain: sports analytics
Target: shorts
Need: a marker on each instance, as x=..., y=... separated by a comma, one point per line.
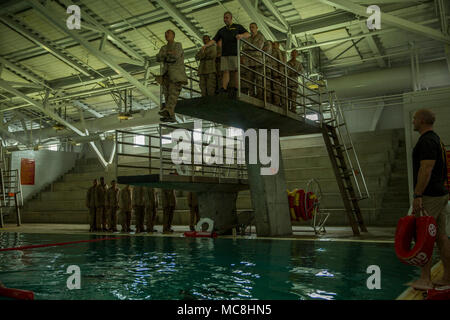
x=228, y=63
x=436, y=207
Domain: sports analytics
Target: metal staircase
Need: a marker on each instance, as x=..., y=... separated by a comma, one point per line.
x=344, y=160
x=10, y=190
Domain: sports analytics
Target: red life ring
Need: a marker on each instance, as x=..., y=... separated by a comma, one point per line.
x=299, y=205
x=442, y=293
x=423, y=230
x=199, y=234
x=16, y=294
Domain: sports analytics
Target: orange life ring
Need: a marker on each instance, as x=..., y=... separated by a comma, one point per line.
x=423, y=230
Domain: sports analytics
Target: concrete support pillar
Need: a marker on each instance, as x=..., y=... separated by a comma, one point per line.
x=269, y=200
x=219, y=207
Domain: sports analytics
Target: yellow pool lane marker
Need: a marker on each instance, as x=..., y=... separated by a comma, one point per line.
x=412, y=294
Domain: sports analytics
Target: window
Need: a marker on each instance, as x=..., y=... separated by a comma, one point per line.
x=139, y=140
x=53, y=147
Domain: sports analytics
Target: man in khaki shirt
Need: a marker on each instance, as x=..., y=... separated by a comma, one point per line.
x=269, y=63
x=173, y=75
x=207, y=68
x=278, y=76
x=251, y=80
x=100, y=205
x=112, y=206
x=90, y=204
x=293, y=84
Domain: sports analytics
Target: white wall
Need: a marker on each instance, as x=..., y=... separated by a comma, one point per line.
x=49, y=165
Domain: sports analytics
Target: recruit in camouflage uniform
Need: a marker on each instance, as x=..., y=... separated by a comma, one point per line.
x=218, y=71
x=90, y=204
x=112, y=206
x=125, y=204
x=269, y=62
x=293, y=86
x=257, y=40
x=169, y=203
x=278, y=76
x=151, y=204
x=139, y=207
x=207, y=68
x=193, y=210
x=100, y=205
x=173, y=73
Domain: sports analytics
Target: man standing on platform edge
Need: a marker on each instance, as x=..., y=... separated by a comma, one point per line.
x=173, y=75
x=430, y=193
x=230, y=34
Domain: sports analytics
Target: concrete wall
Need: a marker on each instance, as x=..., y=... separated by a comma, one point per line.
x=49, y=165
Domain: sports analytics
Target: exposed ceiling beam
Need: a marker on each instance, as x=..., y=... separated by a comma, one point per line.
x=389, y=19
x=373, y=46
x=274, y=10
x=52, y=17
x=37, y=38
x=24, y=72
x=253, y=14
x=83, y=106
x=89, y=16
x=4, y=85
x=181, y=19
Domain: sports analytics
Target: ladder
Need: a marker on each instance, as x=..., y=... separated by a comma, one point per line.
x=10, y=189
x=344, y=161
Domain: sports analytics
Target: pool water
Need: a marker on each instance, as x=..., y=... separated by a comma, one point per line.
x=189, y=268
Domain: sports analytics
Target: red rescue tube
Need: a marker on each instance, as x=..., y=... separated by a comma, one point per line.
x=16, y=294
x=199, y=234
x=423, y=230
x=442, y=293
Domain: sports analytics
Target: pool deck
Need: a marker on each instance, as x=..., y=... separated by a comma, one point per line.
x=375, y=234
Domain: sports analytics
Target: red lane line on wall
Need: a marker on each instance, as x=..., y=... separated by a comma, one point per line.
x=56, y=244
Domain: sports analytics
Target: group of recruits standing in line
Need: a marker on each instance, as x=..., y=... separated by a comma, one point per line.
x=219, y=65
x=104, y=204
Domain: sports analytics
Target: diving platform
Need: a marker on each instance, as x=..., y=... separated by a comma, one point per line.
x=246, y=112
x=186, y=183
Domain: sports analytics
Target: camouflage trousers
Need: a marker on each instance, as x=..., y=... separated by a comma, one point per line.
x=139, y=214
x=278, y=92
x=254, y=82
x=168, y=217
x=293, y=93
x=112, y=218
x=208, y=84
x=193, y=217
x=100, y=218
x=150, y=216
x=171, y=91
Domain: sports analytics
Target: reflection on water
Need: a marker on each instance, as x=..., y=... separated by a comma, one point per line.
x=190, y=269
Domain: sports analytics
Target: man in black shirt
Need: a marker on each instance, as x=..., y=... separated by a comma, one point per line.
x=230, y=34
x=430, y=193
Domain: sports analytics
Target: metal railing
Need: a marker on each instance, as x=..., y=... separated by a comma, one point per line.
x=156, y=154
x=334, y=116
x=280, y=82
